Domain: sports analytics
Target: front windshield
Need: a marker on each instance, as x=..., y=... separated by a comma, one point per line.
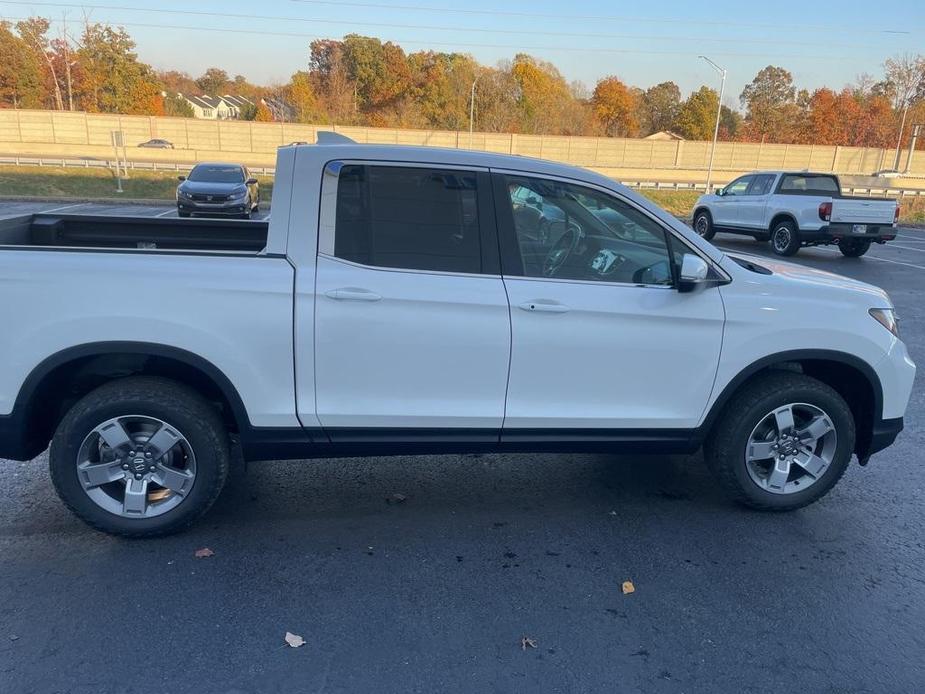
x=206, y=173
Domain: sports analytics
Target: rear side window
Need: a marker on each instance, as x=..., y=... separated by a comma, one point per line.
x=761, y=185
x=408, y=217
x=803, y=184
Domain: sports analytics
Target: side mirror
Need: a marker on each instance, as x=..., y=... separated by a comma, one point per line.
x=720, y=192
x=181, y=178
x=694, y=271
x=251, y=181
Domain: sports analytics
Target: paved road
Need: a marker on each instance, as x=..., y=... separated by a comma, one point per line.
x=435, y=594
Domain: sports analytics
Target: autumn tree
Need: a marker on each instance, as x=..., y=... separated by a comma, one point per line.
x=441, y=89
x=34, y=31
x=20, y=72
x=301, y=95
x=615, y=108
x=696, y=117
x=263, y=113
x=543, y=96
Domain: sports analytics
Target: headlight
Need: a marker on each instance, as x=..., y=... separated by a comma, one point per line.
x=239, y=194
x=183, y=194
x=887, y=318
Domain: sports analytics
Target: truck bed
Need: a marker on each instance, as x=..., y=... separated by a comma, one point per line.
x=145, y=233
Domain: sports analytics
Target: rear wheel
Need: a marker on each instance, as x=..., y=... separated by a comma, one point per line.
x=782, y=442
x=854, y=248
x=703, y=225
x=140, y=457
x=785, y=240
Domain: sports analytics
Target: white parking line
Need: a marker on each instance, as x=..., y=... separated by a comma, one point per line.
x=164, y=214
x=65, y=207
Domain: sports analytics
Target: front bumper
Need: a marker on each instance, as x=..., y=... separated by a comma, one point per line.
x=231, y=207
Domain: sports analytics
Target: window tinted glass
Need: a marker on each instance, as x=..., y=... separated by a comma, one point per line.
x=408, y=217
x=739, y=186
x=761, y=185
x=809, y=185
x=565, y=231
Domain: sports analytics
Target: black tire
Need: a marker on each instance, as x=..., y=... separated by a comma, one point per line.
x=854, y=248
x=703, y=225
x=183, y=214
x=147, y=396
x=785, y=238
x=725, y=448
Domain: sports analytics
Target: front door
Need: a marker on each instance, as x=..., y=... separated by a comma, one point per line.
x=412, y=328
x=602, y=340
x=726, y=207
x=752, y=205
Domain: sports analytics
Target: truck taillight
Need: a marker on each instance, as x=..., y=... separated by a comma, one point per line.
x=896, y=214
x=825, y=211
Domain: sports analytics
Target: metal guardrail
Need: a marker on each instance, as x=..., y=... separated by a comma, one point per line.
x=89, y=162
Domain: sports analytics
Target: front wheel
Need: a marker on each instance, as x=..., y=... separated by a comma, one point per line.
x=703, y=225
x=782, y=442
x=785, y=239
x=140, y=457
x=854, y=248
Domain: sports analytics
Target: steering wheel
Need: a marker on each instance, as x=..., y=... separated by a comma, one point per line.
x=561, y=250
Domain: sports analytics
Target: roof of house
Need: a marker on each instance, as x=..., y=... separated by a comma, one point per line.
x=663, y=135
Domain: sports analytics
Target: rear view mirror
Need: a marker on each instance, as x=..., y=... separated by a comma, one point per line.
x=694, y=271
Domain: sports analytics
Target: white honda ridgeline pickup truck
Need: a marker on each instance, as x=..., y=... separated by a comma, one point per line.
x=400, y=300
x=794, y=209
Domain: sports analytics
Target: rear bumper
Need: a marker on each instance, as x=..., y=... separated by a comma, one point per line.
x=838, y=232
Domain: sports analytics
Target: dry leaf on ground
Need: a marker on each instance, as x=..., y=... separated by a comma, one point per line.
x=294, y=640
x=204, y=552
x=628, y=587
x=526, y=642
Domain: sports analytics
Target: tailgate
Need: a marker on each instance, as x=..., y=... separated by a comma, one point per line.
x=860, y=211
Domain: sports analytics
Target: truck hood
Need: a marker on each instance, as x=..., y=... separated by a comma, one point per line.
x=793, y=274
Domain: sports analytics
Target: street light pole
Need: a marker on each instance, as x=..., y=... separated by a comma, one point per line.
x=472, y=106
x=719, y=112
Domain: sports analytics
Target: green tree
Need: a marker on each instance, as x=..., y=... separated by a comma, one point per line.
x=20, y=72
x=543, y=95
x=214, y=81
x=768, y=100
x=175, y=105
x=659, y=107
x=34, y=31
x=114, y=80
x=697, y=115
x=441, y=89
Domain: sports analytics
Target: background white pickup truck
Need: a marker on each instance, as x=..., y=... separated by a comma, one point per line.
x=399, y=301
x=794, y=209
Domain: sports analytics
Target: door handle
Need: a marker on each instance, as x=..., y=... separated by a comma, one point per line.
x=352, y=294
x=544, y=305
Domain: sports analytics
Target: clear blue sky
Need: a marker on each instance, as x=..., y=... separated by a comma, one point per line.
x=823, y=42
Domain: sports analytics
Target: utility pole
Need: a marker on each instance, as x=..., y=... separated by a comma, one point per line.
x=472, y=106
x=719, y=112
x=916, y=131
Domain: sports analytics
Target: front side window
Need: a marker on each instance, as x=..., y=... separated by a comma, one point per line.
x=738, y=186
x=566, y=231
x=408, y=217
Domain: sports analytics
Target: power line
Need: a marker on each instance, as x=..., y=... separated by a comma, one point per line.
x=518, y=47
x=428, y=27
x=623, y=18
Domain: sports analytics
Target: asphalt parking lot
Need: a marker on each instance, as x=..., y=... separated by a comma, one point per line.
x=436, y=592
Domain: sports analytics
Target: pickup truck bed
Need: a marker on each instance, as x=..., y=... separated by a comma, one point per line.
x=147, y=233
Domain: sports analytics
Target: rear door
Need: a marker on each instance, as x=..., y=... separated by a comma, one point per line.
x=725, y=208
x=412, y=327
x=752, y=205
